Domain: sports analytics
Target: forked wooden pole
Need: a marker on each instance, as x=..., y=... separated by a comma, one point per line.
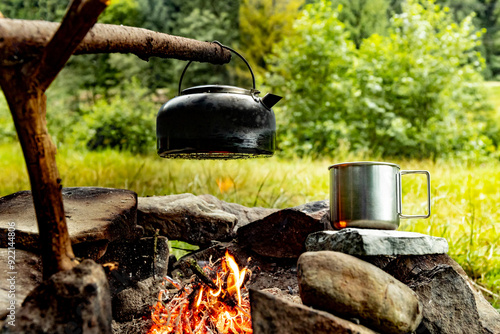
x=31, y=56
x=24, y=86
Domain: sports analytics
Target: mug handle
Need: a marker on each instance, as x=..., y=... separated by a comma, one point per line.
x=400, y=193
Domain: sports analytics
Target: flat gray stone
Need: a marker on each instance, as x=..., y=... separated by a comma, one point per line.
x=136, y=301
x=92, y=215
x=367, y=242
x=185, y=217
x=244, y=214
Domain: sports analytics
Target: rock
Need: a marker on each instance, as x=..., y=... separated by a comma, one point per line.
x=136, y=302
x=452, y=304
x=91, y=250
x=185, y=217
x=316, y=209
x=134, y=260
x=351, y=288
x=95, y=216
x=277, y=292
x=362, y=242
x=283, y=233
x=28, y=274
x=72, y=301
x=273, y=315
x=244, y=214
x=326, y=220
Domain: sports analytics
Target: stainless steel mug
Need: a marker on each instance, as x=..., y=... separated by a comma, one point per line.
x=368, y=195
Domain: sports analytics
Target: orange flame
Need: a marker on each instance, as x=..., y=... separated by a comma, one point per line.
x=200, y=309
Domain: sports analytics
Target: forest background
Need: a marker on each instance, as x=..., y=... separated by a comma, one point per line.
x=412, y=82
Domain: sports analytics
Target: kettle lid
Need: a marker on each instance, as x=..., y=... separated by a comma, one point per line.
x=218, y=89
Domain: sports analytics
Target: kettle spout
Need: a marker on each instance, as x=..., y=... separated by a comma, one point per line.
x=270, y=100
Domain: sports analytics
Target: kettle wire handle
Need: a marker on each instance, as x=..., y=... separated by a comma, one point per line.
x=225, y=47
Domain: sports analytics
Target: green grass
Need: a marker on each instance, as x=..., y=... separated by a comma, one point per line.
x=465, y=197
x=255, y=182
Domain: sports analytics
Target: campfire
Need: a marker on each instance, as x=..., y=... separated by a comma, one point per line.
x=215, y=300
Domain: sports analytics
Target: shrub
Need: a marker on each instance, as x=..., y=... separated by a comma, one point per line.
x=126, y=121
x=312, y=72
x=416, y=92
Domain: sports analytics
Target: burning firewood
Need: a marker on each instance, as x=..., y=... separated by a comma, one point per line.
x=214, y=301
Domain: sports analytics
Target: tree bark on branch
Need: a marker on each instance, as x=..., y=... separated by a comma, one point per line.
x=24, y=88
x=32, y=53
x=23, y=40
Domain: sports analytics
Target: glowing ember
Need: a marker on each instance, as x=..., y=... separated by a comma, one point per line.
x=200, y=308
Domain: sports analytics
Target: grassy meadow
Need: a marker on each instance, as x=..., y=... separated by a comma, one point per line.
x=465, y=195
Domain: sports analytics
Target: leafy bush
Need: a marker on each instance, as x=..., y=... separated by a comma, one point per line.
x=125, y=121
x=312, y=72
x=416, y=92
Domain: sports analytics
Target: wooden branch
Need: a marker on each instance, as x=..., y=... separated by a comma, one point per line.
x=196, y=269
x=31, y=55
x=22, y=40
x=28, y=107
x=24, y=87
x=80, y=17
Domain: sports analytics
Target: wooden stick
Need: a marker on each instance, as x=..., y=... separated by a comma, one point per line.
x=31, y=55
x=28, y=111
x=193, y=265
x=22, y=40
x=24, y=87
x=155, y=252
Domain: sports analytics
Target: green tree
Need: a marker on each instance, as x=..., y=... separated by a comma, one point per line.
x=486, y=14
x=264, y=23
x=48, y=10
x=420, y=87
x=125, y=12
x=489, y=18
x=312, y=69
x=208, y=21
x=416, y=92
x=362, y=18
x=462, y=9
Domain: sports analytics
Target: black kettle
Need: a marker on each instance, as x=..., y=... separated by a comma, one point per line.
x=217, y=122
